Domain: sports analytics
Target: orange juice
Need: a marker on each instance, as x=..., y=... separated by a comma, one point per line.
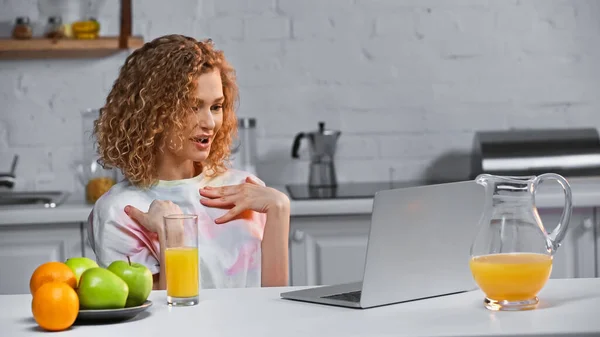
x=182, y=271
x=511, y=276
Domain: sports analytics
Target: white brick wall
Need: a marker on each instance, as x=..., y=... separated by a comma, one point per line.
x=406, y=81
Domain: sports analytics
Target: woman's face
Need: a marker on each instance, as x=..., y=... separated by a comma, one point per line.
x=204, y=123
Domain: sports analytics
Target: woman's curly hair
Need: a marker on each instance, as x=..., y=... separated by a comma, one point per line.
x=154, y=95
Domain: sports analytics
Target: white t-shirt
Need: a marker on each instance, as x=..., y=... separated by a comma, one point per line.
x=229, y=254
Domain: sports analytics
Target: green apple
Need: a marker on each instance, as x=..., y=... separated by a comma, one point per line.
x=80, y=264
x=100, y=288
x=137, y=276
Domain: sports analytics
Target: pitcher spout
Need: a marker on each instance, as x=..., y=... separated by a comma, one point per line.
x=485, y=179
x=507, y=186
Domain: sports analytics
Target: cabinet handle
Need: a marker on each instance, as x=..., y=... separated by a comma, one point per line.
x=298, y=236
x=588, y=224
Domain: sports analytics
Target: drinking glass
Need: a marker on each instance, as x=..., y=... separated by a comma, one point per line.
x=181, y=259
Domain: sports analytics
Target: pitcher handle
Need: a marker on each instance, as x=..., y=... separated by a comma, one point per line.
x=558, y=234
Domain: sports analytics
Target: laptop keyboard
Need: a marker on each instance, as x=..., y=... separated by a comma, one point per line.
x=353, y=296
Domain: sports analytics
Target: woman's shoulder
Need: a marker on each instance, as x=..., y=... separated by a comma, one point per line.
x=118, y=196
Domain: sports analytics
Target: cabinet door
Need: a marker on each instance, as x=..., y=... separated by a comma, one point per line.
x=576, y=256
x=24, y=248
x=328, y=250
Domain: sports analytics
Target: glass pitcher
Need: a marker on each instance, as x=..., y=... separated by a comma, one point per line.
x=511, y=256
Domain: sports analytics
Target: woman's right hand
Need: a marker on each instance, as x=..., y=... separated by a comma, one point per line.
x=153, y=219
x=153, y=222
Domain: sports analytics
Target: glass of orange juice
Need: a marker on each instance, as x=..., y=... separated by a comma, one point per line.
x=181, y=259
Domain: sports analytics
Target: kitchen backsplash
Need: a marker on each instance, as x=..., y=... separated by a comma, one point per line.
x=407, y=82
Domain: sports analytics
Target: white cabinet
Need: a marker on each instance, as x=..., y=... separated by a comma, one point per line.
x=576, y=257
x=328, y=250
x=24, y=247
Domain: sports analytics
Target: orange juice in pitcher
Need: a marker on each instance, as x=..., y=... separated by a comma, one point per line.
x=511, y=276
x=511, y=256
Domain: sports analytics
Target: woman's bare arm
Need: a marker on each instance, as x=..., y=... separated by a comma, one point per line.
x=253, y=195
x=275, y=269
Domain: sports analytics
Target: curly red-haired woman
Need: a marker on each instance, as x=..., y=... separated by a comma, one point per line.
x=167, y=125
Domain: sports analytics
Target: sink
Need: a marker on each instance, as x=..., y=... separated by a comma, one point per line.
x=46, y=199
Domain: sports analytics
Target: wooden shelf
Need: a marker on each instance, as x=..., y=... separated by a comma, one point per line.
x=44, y=48
x=64, y=48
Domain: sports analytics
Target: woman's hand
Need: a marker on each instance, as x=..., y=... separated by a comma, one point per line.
x=254, y=196
x=153, y=222
x=153, y=219
x=249, y=195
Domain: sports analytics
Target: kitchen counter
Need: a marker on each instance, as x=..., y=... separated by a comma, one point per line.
x=74, y=212
x=79, y=212
x=586, y=193
x=568, y=307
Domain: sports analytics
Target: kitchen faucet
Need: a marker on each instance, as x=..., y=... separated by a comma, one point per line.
x=8, y=179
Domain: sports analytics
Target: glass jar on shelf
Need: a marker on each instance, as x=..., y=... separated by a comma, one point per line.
x=22, y=29
x=88, y=26
x=55, y=28
x=86, y=29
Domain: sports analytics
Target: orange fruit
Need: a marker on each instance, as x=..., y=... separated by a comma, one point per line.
x=55, y=306
x=49, y=272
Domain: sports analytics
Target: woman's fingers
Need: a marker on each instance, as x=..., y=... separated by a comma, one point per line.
x=215, y=192
x=252, y=181
x=238, y=198
x=138, y=216
x=222, y=202
x=231, y=214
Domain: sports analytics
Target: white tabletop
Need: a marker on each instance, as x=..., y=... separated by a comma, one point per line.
x=567, y=307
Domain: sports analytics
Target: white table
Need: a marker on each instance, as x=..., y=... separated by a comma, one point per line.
x=568, y=307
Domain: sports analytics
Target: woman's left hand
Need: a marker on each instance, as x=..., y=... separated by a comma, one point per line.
x=247, y=196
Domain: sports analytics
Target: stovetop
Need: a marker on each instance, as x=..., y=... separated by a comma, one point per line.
x=347, y=190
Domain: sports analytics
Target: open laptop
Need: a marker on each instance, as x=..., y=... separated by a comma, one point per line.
x=418, y=247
